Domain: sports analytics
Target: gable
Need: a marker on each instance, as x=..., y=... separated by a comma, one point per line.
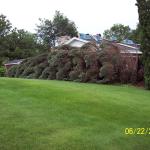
x=76, y=43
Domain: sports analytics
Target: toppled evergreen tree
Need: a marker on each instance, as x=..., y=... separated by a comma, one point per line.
x=117, y=64
x=85, y=64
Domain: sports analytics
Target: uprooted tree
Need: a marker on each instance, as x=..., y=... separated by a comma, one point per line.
x=85, y=64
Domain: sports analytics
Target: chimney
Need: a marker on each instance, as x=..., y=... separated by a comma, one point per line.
x=62, y=40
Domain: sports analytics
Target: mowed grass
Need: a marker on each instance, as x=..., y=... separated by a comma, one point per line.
x=50, y=114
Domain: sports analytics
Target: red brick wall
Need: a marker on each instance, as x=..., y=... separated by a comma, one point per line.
x=8, y=66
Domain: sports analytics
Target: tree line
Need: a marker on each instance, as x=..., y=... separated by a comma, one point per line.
x=19, y=44
x=122, y=32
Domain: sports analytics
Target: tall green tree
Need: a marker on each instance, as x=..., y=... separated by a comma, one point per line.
x=144, y=20
x=45, y=32
x=63, y=26
x=49, y=30
x=5, y=27
x=22, y=44
x=120, y=31
x=17, y=44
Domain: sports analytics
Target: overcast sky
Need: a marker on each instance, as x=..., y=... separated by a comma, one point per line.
x=90, y=16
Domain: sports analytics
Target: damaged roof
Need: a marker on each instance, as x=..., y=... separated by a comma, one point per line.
x=133, y=48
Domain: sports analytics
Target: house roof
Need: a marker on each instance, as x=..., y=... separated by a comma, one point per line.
x=132, y=48
x=93, y=41
x=14, y=62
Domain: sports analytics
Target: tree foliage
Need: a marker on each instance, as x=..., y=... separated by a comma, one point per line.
x=85, y=64
x=118, y=30
x=144, y=20
x=49, y=30
x=135, y=34
x=5, y=27
x=17, y=44
x=2, y=71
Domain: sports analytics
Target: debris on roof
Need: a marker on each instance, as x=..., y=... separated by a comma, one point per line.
x=87, y=36
x=128, y=41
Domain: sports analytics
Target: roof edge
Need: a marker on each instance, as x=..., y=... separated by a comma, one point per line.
x=75, y=38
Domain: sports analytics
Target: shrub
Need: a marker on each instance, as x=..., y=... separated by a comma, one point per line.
x=2, y=71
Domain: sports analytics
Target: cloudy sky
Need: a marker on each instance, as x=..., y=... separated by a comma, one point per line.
x=90, y=16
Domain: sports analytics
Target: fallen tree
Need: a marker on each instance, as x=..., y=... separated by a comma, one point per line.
x=109, y=63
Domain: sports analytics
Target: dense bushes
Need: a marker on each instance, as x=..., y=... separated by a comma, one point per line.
x=2, y=71
x=85, y=64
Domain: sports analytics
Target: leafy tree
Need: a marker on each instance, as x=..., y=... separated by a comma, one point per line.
x=17, y=44
x=144, y=20
x=135, y=34
x=5, y=27
x=63, y=26
x=49, y=30
x=118, y=30
x=20, y=44
x=45, y=32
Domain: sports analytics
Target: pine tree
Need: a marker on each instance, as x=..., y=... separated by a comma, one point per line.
x=144, y=20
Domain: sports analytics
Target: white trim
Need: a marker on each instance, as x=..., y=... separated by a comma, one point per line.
x=75, y=38
x=132, y=52
x=13, y=63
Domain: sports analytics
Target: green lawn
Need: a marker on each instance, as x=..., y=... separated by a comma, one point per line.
x=51, y=115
